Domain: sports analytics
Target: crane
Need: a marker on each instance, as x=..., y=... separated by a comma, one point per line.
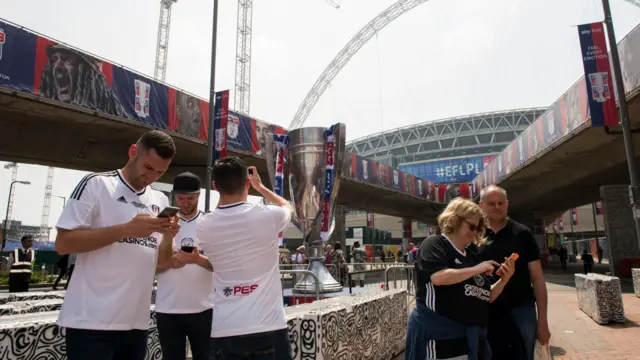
x=162, y=47
x=241, y=95
x=46, y=206
x=14, y=176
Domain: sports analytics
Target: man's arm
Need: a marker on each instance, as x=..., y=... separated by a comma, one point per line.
x=539, y=289
x=274, y=198
x=85, y=240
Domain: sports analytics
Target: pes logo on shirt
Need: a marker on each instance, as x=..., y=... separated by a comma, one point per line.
x=239, y=290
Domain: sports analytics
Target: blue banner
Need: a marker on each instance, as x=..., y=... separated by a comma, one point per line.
x=447, y=171
x=597, y=72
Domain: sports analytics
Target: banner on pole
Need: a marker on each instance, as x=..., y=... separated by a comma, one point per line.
x=597, y=72
x=574, y=216
x=220, y=125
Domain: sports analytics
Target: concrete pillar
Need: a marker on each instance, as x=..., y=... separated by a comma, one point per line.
x=339, y=232
x=407, y=234
x=620, y=228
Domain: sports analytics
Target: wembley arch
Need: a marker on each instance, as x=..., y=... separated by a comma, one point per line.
x=351, y=48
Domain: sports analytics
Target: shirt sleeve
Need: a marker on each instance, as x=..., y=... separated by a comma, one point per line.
x=82, y=206
x=203, y=235
x=531, y=249
x=432, y=257
x=281, y=216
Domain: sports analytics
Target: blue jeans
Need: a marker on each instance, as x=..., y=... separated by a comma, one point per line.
x=525, y=318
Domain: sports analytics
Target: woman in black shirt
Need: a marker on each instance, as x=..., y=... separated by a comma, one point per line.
x=454, y=289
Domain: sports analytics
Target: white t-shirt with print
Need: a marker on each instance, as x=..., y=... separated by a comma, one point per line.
x=241, y=241
x=188, y=290
x=111, y=287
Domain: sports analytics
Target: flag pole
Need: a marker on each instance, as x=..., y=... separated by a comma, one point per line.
x=634, y=190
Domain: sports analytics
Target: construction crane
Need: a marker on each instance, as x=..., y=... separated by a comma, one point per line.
x=14, y=176
x=241, y=95
x=46, y=206
x=162, y=47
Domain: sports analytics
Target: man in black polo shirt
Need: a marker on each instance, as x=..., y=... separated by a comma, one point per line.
x=514, y=312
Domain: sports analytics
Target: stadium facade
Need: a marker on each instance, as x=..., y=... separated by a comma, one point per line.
x=451, y=150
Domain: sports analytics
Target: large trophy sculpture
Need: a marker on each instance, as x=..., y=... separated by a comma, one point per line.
x=315, y=156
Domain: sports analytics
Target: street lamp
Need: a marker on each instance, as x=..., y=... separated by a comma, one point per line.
x=212, y=114
x=4, y=231
x=634, y=188
x=64, y=199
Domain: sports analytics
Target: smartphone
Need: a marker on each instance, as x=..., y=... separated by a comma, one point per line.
x=250, y=171
x=187, y=249
x=169, y=211
x=513, y=256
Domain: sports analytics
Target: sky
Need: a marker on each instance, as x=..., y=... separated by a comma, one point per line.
x=442, y=59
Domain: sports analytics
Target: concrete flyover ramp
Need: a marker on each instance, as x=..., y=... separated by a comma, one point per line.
x=560, y=161
x=63, y=107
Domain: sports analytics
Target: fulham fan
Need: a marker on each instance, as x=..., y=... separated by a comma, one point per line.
x=185, y=283
x=110, y=222
x=454, y=289
x=248, y=317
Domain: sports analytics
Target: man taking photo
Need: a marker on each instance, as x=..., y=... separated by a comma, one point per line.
x=110, y=222
x=184, y=299
x=248, y=318
x=514, y=324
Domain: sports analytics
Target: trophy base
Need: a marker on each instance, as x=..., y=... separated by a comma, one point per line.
x=308, y=284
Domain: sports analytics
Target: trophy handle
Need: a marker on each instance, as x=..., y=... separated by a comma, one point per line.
x=270, y=154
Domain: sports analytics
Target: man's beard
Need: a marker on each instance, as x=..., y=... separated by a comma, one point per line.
x=187, y=211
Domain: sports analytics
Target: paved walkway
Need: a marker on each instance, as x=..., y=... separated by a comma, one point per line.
x=575, y=336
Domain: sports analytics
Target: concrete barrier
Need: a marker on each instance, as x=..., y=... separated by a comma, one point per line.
x=34, y=295
x=600, y=297
x=636, y=281
x=372, y=325
x=30, y=306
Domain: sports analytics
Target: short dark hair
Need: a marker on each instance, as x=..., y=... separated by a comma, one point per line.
x=230, y=175
x=159, y=141
x=26, y=237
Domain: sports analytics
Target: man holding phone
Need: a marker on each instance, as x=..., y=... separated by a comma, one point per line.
x=519, y=315
x=248, y=318
x=110, y=222
x=184, y=299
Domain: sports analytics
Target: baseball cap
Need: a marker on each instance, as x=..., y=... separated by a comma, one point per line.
x=186, y=183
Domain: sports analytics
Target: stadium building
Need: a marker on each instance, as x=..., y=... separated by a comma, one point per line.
x=452, y=150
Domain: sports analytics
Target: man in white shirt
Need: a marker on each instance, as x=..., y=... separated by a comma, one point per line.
x=110, y=222
x=248, y=318
x=184, y=299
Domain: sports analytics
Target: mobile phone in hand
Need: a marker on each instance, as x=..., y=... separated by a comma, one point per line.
x=169, y=211
x=513, y=256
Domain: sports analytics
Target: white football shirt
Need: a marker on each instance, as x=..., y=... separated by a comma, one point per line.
x=188, y=290
x=111, y=287
x=241, y=241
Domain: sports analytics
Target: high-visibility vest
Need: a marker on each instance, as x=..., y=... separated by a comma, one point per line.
x=22, y=261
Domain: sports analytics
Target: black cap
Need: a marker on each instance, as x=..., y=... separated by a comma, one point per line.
x=186, y=183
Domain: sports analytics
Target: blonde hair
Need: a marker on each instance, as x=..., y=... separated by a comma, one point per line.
x=458, y=210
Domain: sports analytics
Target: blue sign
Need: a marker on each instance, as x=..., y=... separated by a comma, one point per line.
x=447, y=171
